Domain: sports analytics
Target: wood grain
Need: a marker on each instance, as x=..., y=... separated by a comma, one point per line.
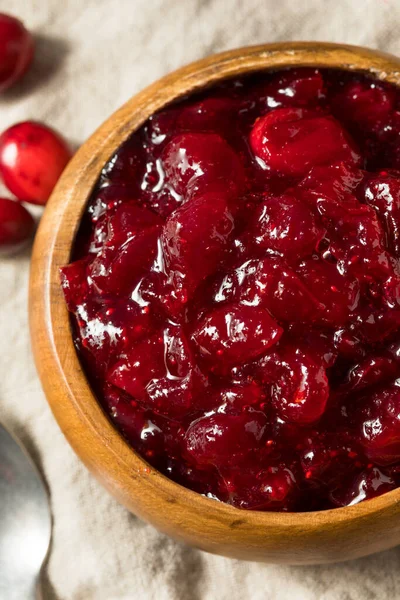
x=299, y=538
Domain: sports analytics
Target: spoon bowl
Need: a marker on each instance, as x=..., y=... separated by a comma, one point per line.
x=25, y=521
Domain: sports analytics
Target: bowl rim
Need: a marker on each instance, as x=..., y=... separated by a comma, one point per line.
x=84, y=423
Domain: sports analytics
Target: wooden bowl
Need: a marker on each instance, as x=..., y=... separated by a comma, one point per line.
x=298, y=538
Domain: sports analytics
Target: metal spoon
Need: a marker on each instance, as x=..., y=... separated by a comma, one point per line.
x=25, y=522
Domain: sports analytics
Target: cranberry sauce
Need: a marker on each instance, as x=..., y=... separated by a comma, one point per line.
x=236, y=290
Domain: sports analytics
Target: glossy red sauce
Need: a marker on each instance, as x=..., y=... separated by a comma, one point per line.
x=235, y=294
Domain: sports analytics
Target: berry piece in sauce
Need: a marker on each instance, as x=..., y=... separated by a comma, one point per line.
x=290, y=141
x=194, y=240
x=234, y=334
x=295, y=87
x=194, y=161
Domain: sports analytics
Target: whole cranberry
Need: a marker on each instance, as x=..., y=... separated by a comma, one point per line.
x=32, y=158
x=130, y=247
x=194, y=240
x=234, y=334
x=382, y=192
x=290, y=141
x=75, y=284
x=193, y=162
x=286, y=225
x=270, y=283
x=16, y=50
x=126, y=166
x=339, y=294
x=368, y=484
x=220, y=438
x=297, y=87
x=151, y=434
x=136, y=368
x=378, y=424
x=16, y=224
x=301, y=392
x=273, y=488
x=363, y=104
x=213, y=114
x=371, y=371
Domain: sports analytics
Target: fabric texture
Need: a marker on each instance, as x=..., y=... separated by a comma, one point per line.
x=91, y=57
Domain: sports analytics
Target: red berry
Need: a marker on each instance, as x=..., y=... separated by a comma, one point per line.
x=129, y=247
x=371, y=371
x=295, y=87
x=16, y=224
x=174, y=394
x=16, y=50
x=328, y=458
x=355, y=235
x=272, y=284
x=209, y=114
x=75, y=283
x=234, y=334
x=301, y=392
x=273, y=488
x=337, y=181
x=152, y=435
x=378, y=421
x=368, y=484
x=235, y=399
x=338, y=294
x=127, y=166
x=194, y=161
x=291, y=141
x=194, y=239
x=382, y=192
x=106, y=327
x=220, y=438
x=137, y=368
x=183, y=391
x=287, y=225
x=32, y=158
x=363, y=104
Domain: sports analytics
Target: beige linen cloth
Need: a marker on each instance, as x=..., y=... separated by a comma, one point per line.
x=92, y=55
